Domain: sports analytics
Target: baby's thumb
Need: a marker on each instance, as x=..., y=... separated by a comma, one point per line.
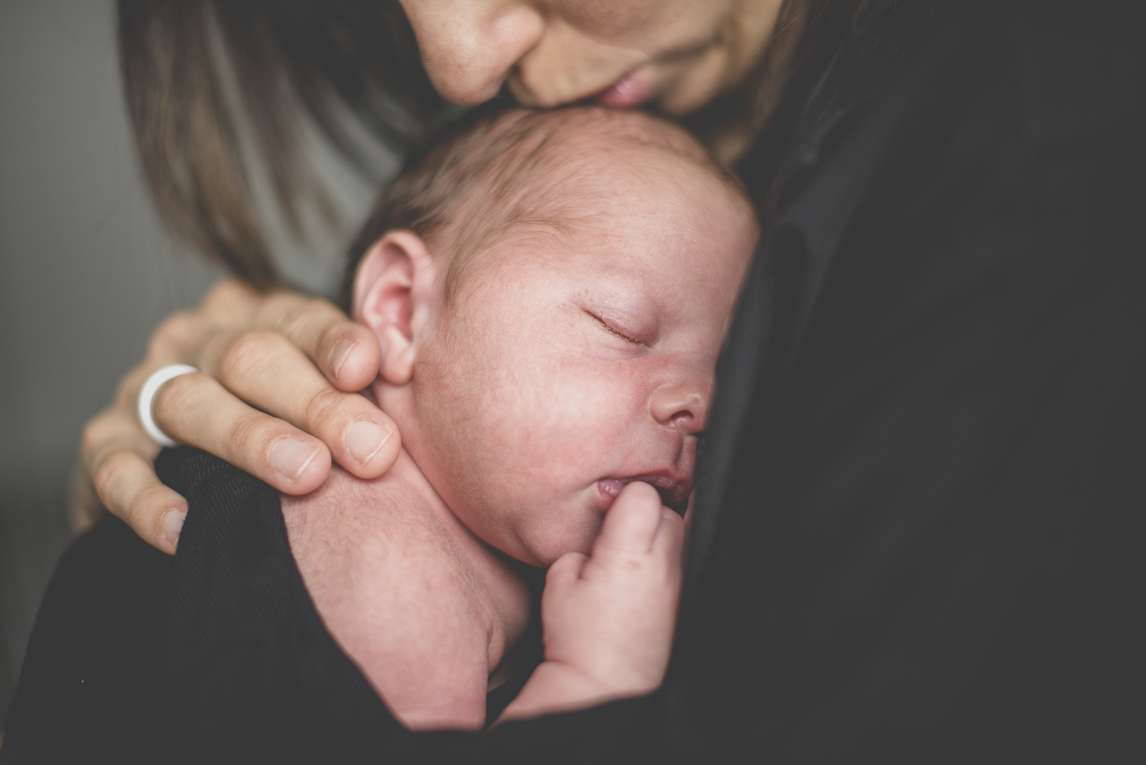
x=631, y=523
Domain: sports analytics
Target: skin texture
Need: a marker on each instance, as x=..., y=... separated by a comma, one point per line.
x=676, y=55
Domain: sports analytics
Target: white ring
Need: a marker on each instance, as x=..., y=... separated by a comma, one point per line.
x=147, y=393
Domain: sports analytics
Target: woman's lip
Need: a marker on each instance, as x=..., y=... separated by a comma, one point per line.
x=630, y=91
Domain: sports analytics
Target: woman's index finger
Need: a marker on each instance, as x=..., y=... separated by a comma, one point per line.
x=346, y=352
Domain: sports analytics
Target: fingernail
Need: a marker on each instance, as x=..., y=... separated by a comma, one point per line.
x=365, y=438
x=339, y=356
x=173, y=525
x=290, y=457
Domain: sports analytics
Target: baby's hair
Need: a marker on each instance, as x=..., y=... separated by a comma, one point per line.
x=496, y=168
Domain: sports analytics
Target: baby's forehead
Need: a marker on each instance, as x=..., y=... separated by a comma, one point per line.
x=582, y=172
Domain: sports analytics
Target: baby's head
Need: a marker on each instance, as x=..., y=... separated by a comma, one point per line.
x=551, y=290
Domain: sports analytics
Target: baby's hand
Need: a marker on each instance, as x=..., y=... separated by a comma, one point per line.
x=608, y=618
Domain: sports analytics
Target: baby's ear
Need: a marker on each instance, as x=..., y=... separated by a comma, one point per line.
x=384, y=299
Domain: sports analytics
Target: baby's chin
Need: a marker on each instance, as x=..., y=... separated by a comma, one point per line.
x=546, y=547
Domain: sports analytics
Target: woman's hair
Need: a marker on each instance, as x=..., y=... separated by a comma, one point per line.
x=195, y=71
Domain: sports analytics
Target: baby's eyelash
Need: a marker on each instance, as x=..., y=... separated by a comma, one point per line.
x=617, y=332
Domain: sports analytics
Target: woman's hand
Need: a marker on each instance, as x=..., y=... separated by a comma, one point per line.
x=292, y=357
x=608, y=618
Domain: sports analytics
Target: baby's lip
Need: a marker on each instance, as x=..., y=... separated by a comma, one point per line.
x=673, y=488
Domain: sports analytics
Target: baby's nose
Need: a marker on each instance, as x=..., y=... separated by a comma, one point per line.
x=683, y=404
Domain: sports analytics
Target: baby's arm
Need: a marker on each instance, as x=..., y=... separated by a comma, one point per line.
x=608, y=618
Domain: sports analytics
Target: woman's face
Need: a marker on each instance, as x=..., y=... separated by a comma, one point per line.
x=673, y=54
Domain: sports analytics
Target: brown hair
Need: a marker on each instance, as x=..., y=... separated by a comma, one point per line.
x=178, y=58
x=194, y=71
x=498, y=167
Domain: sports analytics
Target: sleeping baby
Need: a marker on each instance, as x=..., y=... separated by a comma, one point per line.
x=550, y=291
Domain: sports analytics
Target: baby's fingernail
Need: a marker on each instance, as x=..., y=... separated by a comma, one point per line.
x=365, y=438
x=339, y=355
x=173, y=525
x=290, y=457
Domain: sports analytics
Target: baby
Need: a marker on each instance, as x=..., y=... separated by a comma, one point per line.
x=550, y=291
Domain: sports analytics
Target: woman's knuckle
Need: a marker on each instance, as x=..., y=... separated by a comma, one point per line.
x=245, y=434
x=109, y=474
x=322, y=407
x=247, y=352
x=176, y=395
x=298, y=318
x=141, y=510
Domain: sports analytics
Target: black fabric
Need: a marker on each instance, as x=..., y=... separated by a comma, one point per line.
x=250, y=671
x=217, y=655
x=919, y=521
x=91, y=676
x=925, y=548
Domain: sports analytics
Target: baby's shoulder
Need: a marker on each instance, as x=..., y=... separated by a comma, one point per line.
x=390, y=590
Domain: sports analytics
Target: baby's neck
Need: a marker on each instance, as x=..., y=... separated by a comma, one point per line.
x=426, y=609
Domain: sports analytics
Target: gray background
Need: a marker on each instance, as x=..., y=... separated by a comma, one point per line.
x=86, y=272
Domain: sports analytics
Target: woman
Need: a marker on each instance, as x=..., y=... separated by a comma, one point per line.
x=914, y=530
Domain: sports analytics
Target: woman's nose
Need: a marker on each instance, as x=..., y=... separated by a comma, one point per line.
x=685, y=405
x=469, y=46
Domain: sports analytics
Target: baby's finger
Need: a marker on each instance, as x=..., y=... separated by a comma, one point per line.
x=346, y=352
x=266, y=370
x=631, y=523
x=565, y=569
x=195, y=409
x=670, y=537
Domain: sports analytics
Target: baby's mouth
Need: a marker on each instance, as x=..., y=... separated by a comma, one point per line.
x=674, y=492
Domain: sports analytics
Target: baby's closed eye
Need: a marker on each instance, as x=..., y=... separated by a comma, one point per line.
x=613, y=330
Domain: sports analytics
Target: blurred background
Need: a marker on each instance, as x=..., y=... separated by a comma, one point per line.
x=86, y=271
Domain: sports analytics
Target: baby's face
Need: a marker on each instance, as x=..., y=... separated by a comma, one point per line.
x=577, y=360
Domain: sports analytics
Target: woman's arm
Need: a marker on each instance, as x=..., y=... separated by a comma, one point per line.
x=275, y=397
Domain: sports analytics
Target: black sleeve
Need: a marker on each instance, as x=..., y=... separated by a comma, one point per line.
x=90, y=682
x=251, y=674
